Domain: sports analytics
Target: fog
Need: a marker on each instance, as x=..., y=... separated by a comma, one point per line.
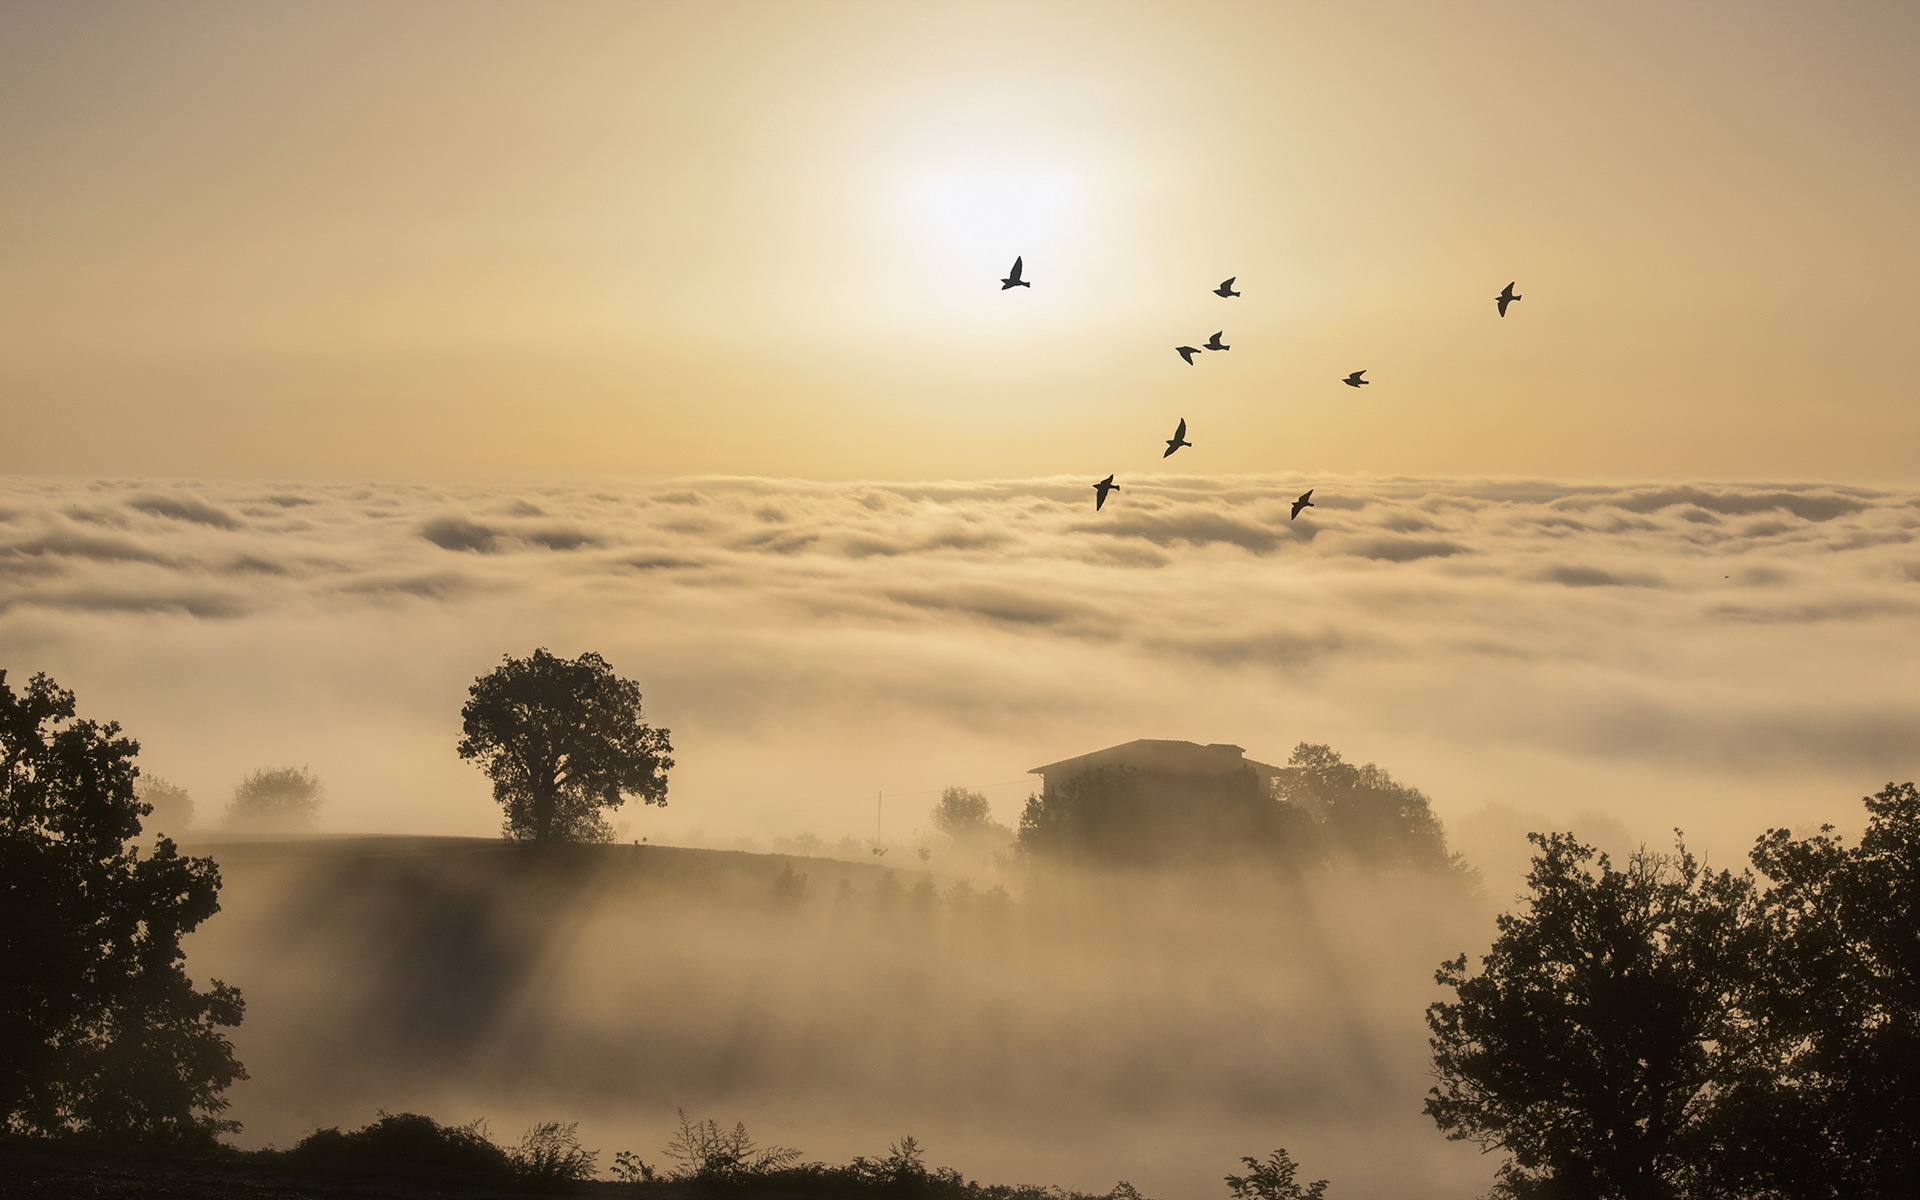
x=1711, y=656
x=1089, y=1028
x=1620, y=660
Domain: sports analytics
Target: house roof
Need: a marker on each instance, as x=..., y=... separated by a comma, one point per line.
x=1162, y=755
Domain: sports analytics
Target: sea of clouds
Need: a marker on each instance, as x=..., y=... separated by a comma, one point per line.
x=1628, y=658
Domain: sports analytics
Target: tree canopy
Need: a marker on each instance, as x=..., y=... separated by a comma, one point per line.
x=1670, y=1031
x=101, y=1030
x=275, y=800
x=562, y=739
x=1590, y=1042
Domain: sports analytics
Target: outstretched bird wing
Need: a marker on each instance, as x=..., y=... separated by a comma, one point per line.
x=1180, y=434
x=1187, y=353
x=1015, y=273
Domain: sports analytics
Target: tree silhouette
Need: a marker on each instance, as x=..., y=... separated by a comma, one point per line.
x=101, y=1031
x=1275, y=1179
x=1595, y=1042
x=962, y=813
x=275, y=800
x=171, y=804
x=1832, y=1109
x=561, y=739
x=1361, y=812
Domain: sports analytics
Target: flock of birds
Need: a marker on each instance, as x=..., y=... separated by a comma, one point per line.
x=1188, y=353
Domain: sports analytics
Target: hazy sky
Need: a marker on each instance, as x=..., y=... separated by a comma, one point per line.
x=394, y=239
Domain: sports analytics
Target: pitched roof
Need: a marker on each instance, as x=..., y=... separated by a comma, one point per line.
x=1161, y=755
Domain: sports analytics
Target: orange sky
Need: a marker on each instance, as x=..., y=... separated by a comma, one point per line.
x=317, y=238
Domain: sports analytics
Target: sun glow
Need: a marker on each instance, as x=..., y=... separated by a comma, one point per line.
x=975, y=221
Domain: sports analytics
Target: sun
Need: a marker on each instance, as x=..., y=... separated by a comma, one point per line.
x=971, y=220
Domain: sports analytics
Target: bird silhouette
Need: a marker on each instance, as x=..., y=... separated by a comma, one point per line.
x=1187, y=352
x=1305, y=501
x=1214, y=342
x=1226, y=289
x=1505, y=298
x=1178, y=439
x=1013, y=279
x=1102, y=488
x=1354, y=380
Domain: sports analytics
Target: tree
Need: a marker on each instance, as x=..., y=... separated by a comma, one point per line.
x=1362, y=813
x=1596, y=1041
x=561, y=739
x=962, y=813
x=1832, y=1110
x=275, y=800
x=1274, y=1179
x=101, y=1030
x=172, y=807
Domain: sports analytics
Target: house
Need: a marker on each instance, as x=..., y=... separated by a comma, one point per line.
x=1162, y=760
x=1154, y=802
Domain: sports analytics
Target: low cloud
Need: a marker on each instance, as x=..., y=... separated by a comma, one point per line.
x=184, y=508
x=1629, y=648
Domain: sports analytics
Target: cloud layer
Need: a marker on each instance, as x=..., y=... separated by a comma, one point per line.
x=1707, y=654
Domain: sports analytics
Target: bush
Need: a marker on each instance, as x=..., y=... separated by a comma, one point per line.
x=551, y=1152
x=707, y=1152
x=1273, y=1179
x=409, y=1140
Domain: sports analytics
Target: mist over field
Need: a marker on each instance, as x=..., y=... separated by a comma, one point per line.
x=1638, y=656
x=1090, y=1028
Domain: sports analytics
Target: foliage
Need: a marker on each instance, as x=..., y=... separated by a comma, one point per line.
x=789, y=887
x=409, y=1140
x=1273, y=1179
x=101, y=1031
x=1593, y=1043
x=705, y=1151
x=1830, y=1109
x=1362, y=813
x=275, y=799
x=961, y=812
x=171, y=805
x=562, y=739
x=629, y=1167
x=551, y=1152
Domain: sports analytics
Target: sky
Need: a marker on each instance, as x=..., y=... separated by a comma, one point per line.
x=345, y=348
x=478, y=239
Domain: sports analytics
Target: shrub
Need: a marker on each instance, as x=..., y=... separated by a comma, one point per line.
x=552, y=1152
x=407, y=1139
x=705, y=1151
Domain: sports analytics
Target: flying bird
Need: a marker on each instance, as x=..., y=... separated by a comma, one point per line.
x=1214, y=342
x=1013, y=279
x=1505, y=298
x=1187, y=352
x=1354, y=380
x=1102, y=488
x=1226, y=289
x=1305, y=501
x=1178, y=439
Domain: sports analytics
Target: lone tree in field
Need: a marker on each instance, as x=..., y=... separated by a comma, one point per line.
x=101, y=1031
x=275, y=800
x=562, y=739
